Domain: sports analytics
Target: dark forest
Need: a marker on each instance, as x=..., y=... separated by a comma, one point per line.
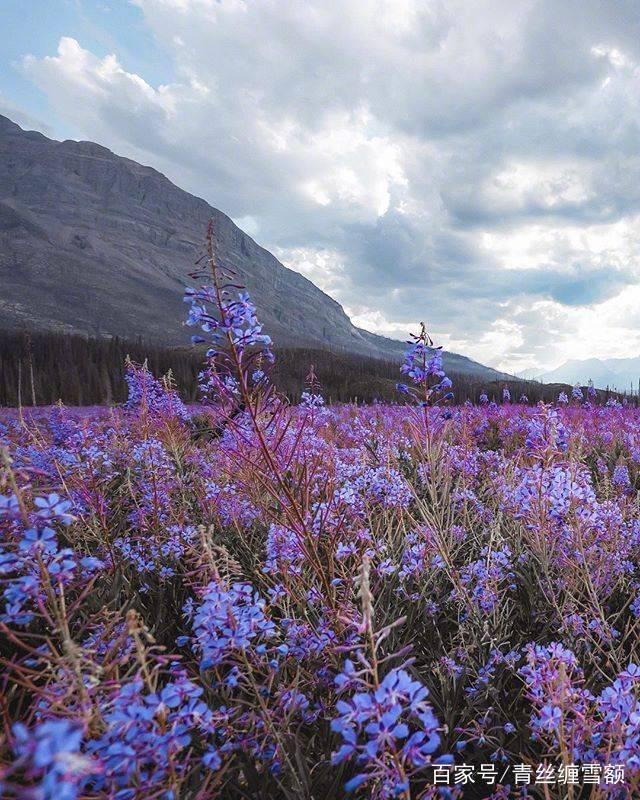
x=44, y=368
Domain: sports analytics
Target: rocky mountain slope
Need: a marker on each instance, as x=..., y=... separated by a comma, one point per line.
x=98, y=244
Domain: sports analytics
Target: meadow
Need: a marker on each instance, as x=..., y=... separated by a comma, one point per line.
x=249, y=599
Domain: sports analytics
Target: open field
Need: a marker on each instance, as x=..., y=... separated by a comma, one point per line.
x=342, y=596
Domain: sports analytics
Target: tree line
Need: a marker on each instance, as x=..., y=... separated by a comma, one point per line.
x=44, y=368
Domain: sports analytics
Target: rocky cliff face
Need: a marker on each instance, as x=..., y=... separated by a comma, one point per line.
x=94, y=243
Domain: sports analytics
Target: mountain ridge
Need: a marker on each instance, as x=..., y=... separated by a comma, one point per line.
x=614, y=373
x=98, y=244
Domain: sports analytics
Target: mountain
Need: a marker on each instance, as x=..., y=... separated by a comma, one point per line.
x=531, y=374
x=616, y=373
x=97, y=244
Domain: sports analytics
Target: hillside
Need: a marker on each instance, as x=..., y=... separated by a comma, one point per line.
x=99, y=245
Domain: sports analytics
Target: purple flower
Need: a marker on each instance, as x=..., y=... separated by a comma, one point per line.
x=423, y=364
x=376, y=727
x=229, y=620
x=9, y=506
x=53, y=508
x=550, y=717
x=50, y=755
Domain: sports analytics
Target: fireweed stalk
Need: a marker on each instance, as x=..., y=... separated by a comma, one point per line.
x=423, y=365
x=236, y=375
x=386, y=724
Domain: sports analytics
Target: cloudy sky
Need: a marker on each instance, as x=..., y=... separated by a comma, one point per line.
x=472, y=163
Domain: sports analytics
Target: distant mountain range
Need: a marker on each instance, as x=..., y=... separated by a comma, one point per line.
x=97, y=244
x=615, y=373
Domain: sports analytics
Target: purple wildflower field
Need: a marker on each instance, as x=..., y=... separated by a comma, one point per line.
x=252, y=600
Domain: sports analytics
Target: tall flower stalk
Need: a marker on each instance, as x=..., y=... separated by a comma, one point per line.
x=423, y=365
x=239, y=358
